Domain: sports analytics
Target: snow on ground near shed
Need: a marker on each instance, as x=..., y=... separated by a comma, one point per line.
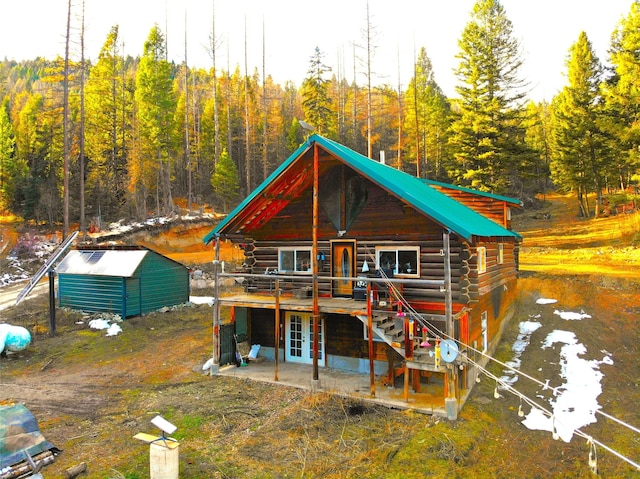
x=574, y=403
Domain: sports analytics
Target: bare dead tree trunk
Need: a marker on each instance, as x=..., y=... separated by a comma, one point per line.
x=83, y=226
x=247, y=163
x=264, y=108
x=415, y=107
x=216, y=125
x=399, y=158
x=65, y=126
x=187, y=148
x=369, y=119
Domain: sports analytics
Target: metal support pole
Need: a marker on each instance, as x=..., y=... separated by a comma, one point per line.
x=372, y=372
x=215, y=366
x=277, y=326
x=52, y=303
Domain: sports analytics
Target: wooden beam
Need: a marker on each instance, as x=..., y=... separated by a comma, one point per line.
x=314, y=259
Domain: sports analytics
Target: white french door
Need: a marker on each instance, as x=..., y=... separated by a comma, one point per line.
x=299, y=340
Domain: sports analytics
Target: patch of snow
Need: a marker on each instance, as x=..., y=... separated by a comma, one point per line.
x=99, y=324
x=102, y=323
x=572, y=316
x=522, y=341
x=202, y=300
x=114, y=330
x=546, y=301
x=575, y=402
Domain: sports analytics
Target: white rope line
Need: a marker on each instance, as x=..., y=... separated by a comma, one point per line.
x=533, y=403
x=545, y=385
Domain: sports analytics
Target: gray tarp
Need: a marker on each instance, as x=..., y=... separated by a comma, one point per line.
x=19, y=432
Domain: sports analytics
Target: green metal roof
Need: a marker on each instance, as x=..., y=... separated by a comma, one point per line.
x=446, y=211
x=507, y=199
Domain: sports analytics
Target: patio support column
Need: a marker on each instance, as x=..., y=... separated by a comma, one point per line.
x=314, y=261
x=215, y=366
x=450, y=401
x=277, y=325
x=372, y=365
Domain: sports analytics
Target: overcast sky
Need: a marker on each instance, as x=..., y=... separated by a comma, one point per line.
x=292, y=29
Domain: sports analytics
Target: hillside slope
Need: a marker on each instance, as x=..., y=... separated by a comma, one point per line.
x=92, y=393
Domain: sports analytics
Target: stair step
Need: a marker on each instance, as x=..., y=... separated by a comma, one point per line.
x=393, y=332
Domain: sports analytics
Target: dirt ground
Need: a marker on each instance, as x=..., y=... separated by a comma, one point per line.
x=92, y=393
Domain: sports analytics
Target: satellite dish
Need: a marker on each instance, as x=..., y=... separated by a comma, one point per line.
x=448, y=350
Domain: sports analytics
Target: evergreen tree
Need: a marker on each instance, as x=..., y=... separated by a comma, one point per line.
x=534, y=174
x=581, y=157
x=487, y=133
x=316, y=102
x=8, y=164
x=108, y=108
x=155, y=107
x=426, y=120
x=225, y=180
x=622, y=96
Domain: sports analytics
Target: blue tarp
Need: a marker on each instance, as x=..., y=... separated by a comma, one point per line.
x=19, y=433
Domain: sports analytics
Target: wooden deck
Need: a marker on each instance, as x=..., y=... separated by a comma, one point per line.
x=290, y=303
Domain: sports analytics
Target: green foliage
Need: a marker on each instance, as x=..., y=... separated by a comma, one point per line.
x=316, y=103
x=225, y=180
x=155, y=103
x=622, y=96
x=108, y=105
x=581, y=152
x=426, y=121
x=488, y=128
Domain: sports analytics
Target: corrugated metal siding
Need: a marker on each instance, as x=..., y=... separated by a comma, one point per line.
x=133, y=296
x=91, y=293
x=163, y=283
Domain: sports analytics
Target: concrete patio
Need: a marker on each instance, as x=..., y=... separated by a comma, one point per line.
x=430, y=399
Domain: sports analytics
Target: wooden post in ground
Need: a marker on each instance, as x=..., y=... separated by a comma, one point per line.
x=372, y=365
x=277, y=325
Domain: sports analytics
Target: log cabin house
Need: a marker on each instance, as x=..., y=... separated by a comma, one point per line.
x=366, y=268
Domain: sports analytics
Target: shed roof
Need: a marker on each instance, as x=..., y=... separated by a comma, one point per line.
x=102, y=262
x=446, y=211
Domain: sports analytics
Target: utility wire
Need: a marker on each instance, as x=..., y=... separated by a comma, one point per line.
x=440, y=335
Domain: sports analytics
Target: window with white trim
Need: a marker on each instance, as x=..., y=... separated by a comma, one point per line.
x=404, y=262
x=500, y=253
x=294, y=260
x=482, y=259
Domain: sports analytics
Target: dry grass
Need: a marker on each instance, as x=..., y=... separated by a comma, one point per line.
x=92, y=393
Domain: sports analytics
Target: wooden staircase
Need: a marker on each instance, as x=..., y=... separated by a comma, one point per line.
x=391, y=330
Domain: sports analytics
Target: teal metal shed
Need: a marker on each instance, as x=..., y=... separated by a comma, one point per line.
x=128, y=282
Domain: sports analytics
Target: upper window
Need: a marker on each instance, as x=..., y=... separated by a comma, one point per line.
x=294, y=260
x=403, y=262
x=482, y=259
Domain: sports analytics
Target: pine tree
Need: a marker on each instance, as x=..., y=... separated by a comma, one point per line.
x=487, y=131
x=7, y=158
x=316, y=103
x=622, y=96
x=108, y=106
x=225, y=180
x=426, y=120
x=534, y=174
x=581, y=157
x=155, y=107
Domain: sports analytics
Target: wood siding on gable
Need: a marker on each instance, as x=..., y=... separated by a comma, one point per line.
x=493, y=209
